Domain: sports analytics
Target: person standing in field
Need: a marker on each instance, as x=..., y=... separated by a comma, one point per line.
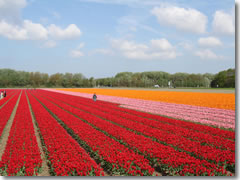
x=5, y=94
x=1, y=95
x=94, y=97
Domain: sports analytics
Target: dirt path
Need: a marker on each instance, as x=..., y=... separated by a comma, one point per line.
x=6, y=131
x=45, y=168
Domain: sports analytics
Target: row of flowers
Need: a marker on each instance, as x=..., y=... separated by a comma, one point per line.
x=145, y=145
x=213, y=100
x=210, y=119
x=188, y=125
x=173, y=129
x=6, y=110
x=207, y=152
x=113, y=156
x=212, y=116
x=202, y=133
x=21, y=155
x=185, y=124
x=10, y=94
x=65, y=156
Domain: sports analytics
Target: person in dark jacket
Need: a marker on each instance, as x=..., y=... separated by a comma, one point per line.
x=94, y=97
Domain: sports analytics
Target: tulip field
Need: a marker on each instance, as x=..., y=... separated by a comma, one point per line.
x=63, y=132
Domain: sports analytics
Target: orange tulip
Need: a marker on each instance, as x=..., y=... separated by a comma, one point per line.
x=212, y=100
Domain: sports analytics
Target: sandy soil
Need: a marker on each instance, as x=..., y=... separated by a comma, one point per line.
x=45, y=168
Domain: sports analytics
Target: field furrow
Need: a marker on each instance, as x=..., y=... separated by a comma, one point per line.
x=185, y=124
x=64, y=154
x=63, y=133
x=216, y=117
x=6, y=111
x=100, y=122
x=170, y=128
x=21, y=155
x=110, y=152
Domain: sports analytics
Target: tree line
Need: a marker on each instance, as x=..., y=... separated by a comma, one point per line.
x=12, y=78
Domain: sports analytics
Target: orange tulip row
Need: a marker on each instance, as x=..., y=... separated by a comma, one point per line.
x=212, y=100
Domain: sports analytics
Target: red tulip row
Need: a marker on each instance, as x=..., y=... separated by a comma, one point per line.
x=203, y=138
x=185, y=124
x=65, y=155
x=114, y=156
x=4, y=100
x=21, y=155
x=6, y=111
x=179, y=123
x=195, y=148
x=166, y=157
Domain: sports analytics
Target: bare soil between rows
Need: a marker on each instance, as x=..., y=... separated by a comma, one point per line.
x=45, y=168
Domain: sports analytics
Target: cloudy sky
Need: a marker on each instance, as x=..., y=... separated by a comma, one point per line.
x=100, y=38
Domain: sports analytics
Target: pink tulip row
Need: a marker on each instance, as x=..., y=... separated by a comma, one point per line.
x=212, y=116
x=103, y=115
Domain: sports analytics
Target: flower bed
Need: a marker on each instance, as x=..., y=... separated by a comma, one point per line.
x=6, y=111
x=205, y=115
x=21, y=155
x=64, y=154
x=219, y=157
x=115, y=157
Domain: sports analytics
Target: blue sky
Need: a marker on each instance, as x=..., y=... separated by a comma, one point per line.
x=100, y=38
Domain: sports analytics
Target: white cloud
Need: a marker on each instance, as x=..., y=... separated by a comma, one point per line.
x=28, y=31
x=71, y=32
x=12, y=32
x=223, y=23
x=162, y=44
x=190, y=20
x=156, y=49
x=125, y=45
x=13, y=27
x=81, y=45
x=50, y=44
x=207, y=54
x=209, y=42
x=186, y=45
x=10, y=10
x=76, y=53
x=34, y=31
x=16, y=4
